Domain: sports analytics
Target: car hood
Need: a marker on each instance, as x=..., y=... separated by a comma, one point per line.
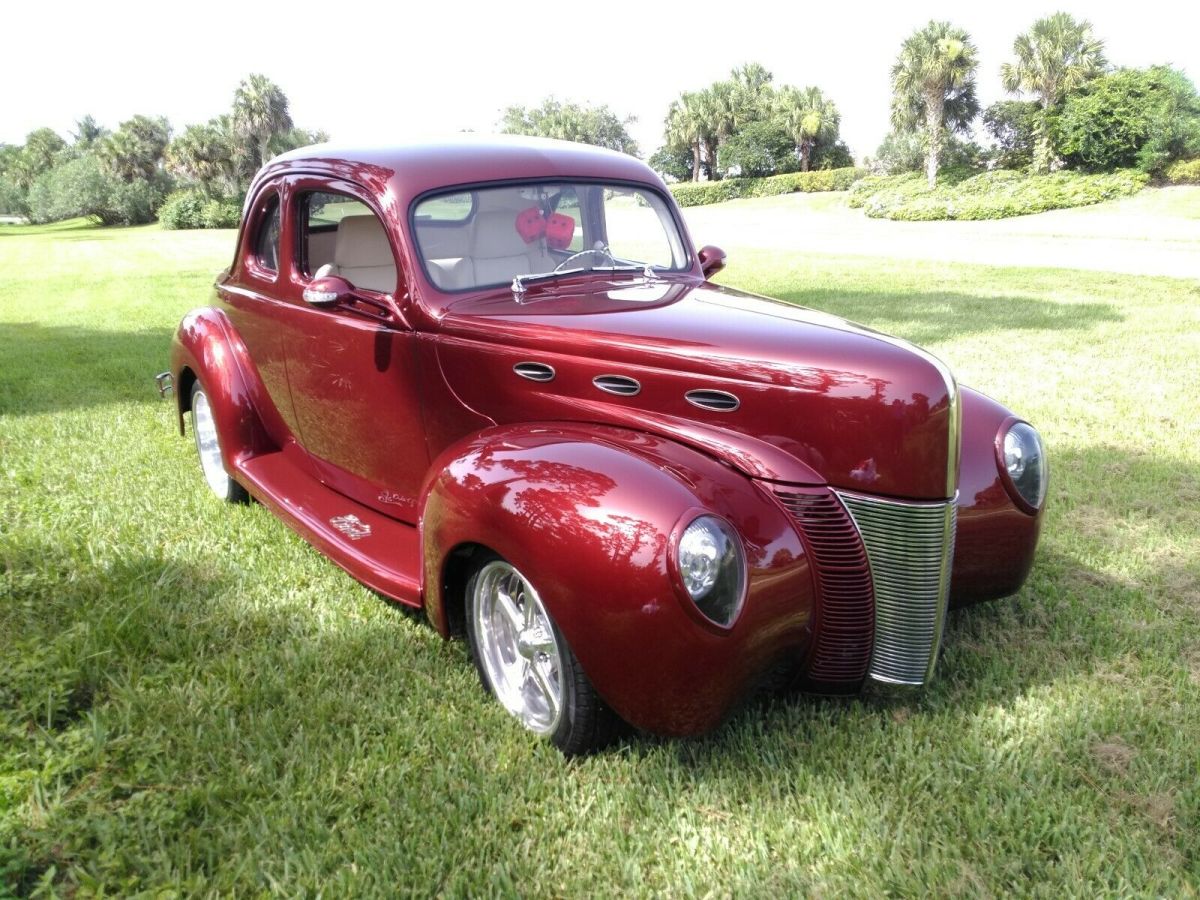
x=819, y=399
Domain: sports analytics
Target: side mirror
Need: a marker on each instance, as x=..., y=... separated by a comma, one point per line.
x=329, y=290
x=712, y=260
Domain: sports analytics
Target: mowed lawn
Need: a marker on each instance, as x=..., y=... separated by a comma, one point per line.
x=193, y=700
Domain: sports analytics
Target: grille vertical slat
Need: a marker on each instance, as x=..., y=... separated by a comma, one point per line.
x=910, y=547
x=845, y=609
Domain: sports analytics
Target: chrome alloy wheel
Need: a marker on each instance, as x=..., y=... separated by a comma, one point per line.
x=517, y=647
x=208, y=445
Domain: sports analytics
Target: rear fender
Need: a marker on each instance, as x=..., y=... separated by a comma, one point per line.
x=206, y=347
x=588, y=513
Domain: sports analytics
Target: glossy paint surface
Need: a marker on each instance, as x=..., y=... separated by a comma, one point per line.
x=396, y=433
x=590, y=510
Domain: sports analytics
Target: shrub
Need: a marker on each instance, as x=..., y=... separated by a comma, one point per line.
x=78, y=187
x=758, y=150
x=1132, y=118
x=222, y=213
x=84, y=187
x=192, y=208
x=990, y=195
x=1186, y=171
x=135, y=202
x=704, y=193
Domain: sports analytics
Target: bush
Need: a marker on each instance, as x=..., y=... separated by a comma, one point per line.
x=991, y=195
x=192, y=208
x=135, y=202
x=222, y=213
x=1186, y=171
x=84, y=187
x=1132, y=118
x=704, y=193
x=79, y=187
x=758, y=150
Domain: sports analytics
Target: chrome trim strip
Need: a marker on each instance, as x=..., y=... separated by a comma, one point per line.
x=535, y=371
x=910, y=548
x=621, y=385
x=713, y=400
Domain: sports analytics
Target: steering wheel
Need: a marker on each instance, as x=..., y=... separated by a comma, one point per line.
x=603, y=251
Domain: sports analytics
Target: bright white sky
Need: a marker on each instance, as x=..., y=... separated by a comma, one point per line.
x=389, y=72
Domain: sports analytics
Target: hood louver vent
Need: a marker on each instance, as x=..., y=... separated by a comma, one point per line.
x=620, y=385
x=534, y=371
x=717, y=401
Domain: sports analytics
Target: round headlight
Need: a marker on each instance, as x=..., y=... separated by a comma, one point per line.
x=712, y=567
x=1024, y=460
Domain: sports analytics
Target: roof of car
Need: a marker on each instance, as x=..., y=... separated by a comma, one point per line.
x=415, y=168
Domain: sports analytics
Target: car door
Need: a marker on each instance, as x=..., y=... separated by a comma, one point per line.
x=351, y=368
x=250, y=297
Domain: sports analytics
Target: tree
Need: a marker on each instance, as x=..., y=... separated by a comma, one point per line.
x=1132, y=117
x=759, y=149
x=684, y=129
x=207, y=155
x=87, y=132
x=750, y=94
x=1014, y=125
x=596, y=125
x=42, y=147
x=672, y=163
x=933, y=87
x=1055, y=57
x=136, y=148
x=809, y=117
x=260, y=112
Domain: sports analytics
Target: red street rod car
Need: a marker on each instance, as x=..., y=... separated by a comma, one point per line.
x=490, y=378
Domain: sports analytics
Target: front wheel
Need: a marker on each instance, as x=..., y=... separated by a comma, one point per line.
x=526, y=663
x=208, y=447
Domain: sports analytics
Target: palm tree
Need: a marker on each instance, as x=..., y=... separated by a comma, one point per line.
x=751, y=93
x=809, y=117
x=260, y=111
x=1056, y=55
x=683, y=129
x=933, y=86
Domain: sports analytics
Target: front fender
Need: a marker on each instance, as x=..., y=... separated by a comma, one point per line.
x=206, y=347
x=587, y=514
x=995, y=541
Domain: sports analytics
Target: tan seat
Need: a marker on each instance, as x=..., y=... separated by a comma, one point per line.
x=363, y=256
x=498, y=252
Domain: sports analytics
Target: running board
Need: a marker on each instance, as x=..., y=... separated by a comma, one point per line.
x=382, y=553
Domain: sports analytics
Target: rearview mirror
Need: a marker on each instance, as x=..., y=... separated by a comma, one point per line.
x=329, y=290
x=712, y=260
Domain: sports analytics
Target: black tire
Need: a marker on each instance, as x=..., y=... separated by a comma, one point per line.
x=584, y=723
x=204, y=430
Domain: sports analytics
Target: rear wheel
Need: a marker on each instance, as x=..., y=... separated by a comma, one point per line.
x=524, y=660
x=208, y=447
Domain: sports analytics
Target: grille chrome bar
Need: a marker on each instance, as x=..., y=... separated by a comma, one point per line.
x=910, y=547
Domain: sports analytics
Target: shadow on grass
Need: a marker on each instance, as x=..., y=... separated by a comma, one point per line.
x=938, y=316
x=52, y=368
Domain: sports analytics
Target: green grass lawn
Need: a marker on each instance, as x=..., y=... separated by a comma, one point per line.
x=192, y=699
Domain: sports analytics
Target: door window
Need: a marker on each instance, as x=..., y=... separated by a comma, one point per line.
x=266, y=241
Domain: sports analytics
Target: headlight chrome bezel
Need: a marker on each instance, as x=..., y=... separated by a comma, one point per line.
x=1010, y=485
x=692, y=604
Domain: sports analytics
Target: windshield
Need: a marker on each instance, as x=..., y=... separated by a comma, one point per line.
x=491, y=235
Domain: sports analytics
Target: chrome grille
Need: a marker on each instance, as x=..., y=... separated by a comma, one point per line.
x=844, y=620
x=910, y=547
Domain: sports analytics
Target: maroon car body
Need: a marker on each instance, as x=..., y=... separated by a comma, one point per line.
x=575, y=427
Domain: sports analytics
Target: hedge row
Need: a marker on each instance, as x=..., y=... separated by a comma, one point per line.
x=991, y=195
x=1186, y=171
x=702, y=193
x=191, y=208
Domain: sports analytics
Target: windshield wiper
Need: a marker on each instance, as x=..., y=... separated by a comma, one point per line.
x=519, y=282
